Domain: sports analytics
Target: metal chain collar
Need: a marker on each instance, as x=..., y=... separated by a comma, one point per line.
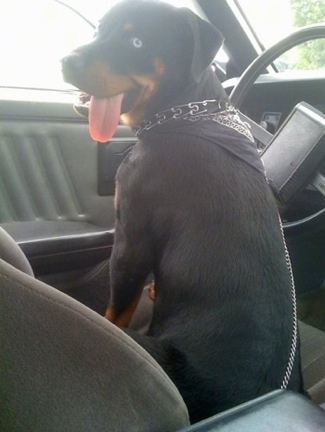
x=224, y=114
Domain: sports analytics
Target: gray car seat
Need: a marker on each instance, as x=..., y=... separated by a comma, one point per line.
x=65, y=368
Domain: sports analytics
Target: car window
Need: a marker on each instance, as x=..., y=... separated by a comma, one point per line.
x=36, y=34
x=272, y=20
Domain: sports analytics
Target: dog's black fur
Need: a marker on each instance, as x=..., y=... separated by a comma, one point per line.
x=201, y=219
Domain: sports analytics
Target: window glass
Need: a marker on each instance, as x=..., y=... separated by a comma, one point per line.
x=272, y=20
x=36, y=34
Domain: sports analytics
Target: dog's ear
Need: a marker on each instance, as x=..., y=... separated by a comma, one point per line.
x=207, y=41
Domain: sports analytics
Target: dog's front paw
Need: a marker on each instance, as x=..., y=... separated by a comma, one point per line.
x=122, y=320
x=110, y=315
x=152, y=292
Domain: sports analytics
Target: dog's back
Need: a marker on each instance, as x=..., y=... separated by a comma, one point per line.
x=223, y=306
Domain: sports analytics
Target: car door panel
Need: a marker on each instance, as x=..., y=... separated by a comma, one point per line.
x=57, y=185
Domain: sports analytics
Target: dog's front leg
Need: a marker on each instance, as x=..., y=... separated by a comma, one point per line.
x=123, y=319
x=130, y=264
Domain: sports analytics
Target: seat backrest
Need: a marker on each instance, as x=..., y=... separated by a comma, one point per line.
x=65, y=368
x=12, y=254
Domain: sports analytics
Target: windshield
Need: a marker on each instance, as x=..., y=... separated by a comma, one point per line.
x=272, y=20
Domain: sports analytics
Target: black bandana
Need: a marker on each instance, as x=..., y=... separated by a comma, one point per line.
x=216, y=122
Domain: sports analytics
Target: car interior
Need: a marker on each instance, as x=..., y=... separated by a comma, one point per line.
x=63, y=367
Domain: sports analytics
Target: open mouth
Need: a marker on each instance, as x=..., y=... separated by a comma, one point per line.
x=104, y=113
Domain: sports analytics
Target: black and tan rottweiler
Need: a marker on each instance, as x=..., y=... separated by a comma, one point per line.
x=193, y=207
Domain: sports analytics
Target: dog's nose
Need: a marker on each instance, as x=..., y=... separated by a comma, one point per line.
x=72, y=63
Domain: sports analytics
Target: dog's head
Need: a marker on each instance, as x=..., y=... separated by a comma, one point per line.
x=144, y=51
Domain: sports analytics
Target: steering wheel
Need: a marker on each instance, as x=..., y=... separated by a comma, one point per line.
x=247, y=79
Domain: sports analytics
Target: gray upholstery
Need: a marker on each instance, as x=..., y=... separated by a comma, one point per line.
x=65, y=368
x=12, y=254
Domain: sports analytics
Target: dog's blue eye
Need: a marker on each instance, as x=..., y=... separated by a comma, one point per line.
x=136, y=42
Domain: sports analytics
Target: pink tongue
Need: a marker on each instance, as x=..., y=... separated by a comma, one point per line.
x=104, y=116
